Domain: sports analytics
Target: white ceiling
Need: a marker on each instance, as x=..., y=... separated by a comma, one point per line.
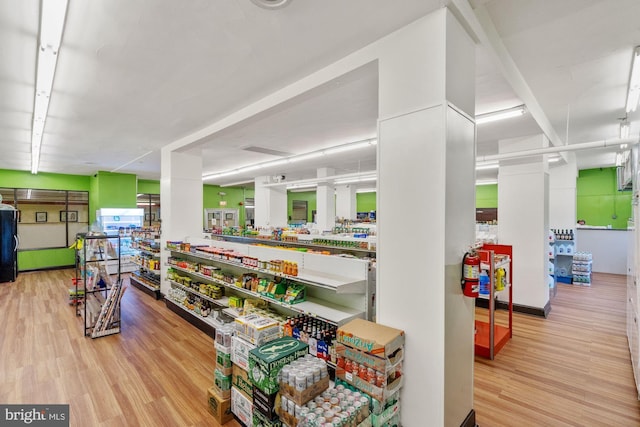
x=134, y=76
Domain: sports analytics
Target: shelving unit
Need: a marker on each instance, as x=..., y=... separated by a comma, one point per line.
x=97, y=294
x=147, y=277
x=553, y=288
x=331, y=297
x=563, y=260
x=121, y=222
x=581, y=269
x=490, y=337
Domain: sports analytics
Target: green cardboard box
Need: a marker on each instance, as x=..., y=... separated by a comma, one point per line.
x=266, y=361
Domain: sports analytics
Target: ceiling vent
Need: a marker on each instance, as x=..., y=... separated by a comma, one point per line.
x=271, y=4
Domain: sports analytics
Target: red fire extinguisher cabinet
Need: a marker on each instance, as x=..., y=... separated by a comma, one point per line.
x=490, y=337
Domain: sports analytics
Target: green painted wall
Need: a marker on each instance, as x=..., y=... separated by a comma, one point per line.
x=366, y=202
x=308, y=196
x=43, y=181
x=233, y=197
x=599, y=201
x=39, y=259
x=147, y=186
x=487, y=196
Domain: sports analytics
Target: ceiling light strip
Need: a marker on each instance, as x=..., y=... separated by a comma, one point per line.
x=52, y=17
x=633, y=91
x=501, y=114
x=296, y=158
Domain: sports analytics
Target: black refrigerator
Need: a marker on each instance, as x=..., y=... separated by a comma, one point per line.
x=8, y=245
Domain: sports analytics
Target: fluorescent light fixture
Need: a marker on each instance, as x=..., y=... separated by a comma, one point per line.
x=52, y=17
x=633, y=94
x=500, y=115
x=308, y=156
x=624, y=129
x=487, y=166
x=366, y=190
x=346, y=147
x=249, y=206
x=487, y=182
x=297, y=186
x=297, y=158
x=554, y=159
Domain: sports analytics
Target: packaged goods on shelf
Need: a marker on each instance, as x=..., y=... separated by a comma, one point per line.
x=264, y=404
x=318, y=334
x=219, y=406
x=224, y=335
x=240, y=352
x=370, y=357
x=240, y=380
x=303, y=379
x=222, y=383
x=242, y=407
x=257, y=329
x=265, y=362
x=261, y=420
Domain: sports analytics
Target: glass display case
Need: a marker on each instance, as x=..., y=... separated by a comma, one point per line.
x=121, y=222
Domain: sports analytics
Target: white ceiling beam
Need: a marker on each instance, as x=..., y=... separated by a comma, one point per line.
x=479, y=21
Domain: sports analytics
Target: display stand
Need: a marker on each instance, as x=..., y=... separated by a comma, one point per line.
x=490, y=337
x=97, y=294
x=147, y=277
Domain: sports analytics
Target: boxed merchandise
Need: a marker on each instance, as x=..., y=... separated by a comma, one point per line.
x=266, y=404
x=287, y=418
x=260, y=420
x=257, y=329
x=240, y=380
x=222, y=383
x=301, y=397
x=223, y=359
x=220, y=407
x=241, y=407
x=240, y=352
x=266, y=361
x=370, y=337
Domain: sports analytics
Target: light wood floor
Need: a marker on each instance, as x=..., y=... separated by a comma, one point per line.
x=572, y=369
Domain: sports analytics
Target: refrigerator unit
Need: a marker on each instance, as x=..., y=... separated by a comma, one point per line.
x=121, y=221
x=8, y=243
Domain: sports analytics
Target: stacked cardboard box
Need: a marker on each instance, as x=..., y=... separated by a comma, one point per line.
x=370, y=359
x=242, y=389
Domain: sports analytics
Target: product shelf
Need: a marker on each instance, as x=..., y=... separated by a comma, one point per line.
x=298, y=244
x=324, y=280
x=222, y=302
x=153, y=253
x=207, y=320
x=324, y=310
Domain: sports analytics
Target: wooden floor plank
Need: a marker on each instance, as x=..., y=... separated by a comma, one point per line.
x=572, y=368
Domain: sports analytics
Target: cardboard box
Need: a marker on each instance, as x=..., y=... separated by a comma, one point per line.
x=379, y=393
x=240, y=352
x=222, y=383
x=259, y=420
x=302, y=397
x=286, y=418
x=265, y=362
x=378, y=363
x=223, y=359
x=265, y=404
x=370, y=337
x=241, y=407
x=220, y=407
x=257, y=329
x=240, y=380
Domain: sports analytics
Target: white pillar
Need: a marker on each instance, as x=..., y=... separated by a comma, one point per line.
x=346, y=201
x=523, y=220
x=426, y=167
x=562, y=194
x=181, y=200
x=325, y=202
x=270, y=204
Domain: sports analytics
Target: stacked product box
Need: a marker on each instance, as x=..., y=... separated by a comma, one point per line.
x=257, y=329
x=265, y=363
x=223, y=371
x=242, y=407
x=219, y=395
x=219, y=406
x=242, y=389
x=370, y=358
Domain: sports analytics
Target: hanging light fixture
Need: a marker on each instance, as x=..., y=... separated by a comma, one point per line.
x=633, y=91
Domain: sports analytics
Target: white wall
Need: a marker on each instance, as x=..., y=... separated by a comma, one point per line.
x=270, y=204
x=562, y=194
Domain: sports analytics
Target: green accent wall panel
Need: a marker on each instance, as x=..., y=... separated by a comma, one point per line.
x=234, y=196
x=487, y=196
x=45, y=258
x=147, y=186
x=117, y=190
x=366, y=202
x=599, y=201
x=307, y=196
x=43, y=181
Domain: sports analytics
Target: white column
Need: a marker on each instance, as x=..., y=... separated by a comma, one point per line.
x=426, y=170
x=346, y=201
x=325, y=202
x=562, y=194
x=523, y=219
x=181, y=200
x=270, y=203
